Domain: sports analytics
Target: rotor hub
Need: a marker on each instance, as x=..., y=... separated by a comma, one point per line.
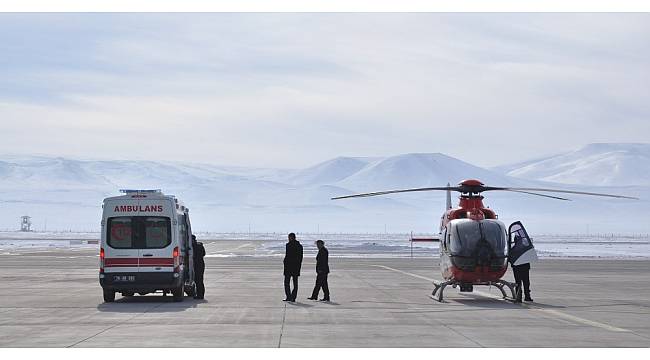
x=471, y=187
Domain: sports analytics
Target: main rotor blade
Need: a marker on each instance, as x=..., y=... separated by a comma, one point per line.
x=532, y=193
x=489, y=188
x=443, y=188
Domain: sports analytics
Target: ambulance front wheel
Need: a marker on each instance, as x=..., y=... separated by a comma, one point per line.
x=178, y=294
x=109, y=295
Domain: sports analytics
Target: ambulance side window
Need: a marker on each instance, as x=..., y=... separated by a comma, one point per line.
x=183, y=232
x=188, y=228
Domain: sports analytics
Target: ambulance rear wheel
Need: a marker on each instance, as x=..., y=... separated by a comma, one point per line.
x=178, y=294
x=109, y=296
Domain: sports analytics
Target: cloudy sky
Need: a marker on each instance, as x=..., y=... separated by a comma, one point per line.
x=290, y=90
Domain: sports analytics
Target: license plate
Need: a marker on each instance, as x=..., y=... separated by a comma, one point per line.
x=124, y=278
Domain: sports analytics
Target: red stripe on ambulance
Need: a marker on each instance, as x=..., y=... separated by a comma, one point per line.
x=156, y=262
x=134, y=262
x=108, y=262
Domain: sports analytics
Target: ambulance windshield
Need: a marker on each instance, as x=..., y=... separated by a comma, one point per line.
x=138, y=232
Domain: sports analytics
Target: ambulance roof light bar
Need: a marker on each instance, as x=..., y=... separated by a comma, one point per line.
x=134, y=191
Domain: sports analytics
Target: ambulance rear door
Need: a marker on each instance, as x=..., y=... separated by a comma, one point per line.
x=120, y=251
x=157, y=245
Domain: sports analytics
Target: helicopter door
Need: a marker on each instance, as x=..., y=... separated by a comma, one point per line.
x=520, y=245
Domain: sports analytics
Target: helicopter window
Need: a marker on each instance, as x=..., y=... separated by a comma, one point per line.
x=495, y=234
x=468, y=234
x=445, y=237
x=447, y=240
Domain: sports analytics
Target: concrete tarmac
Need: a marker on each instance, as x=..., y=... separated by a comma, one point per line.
x=53, y=299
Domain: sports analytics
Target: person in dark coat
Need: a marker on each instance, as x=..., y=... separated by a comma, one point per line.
x=522, y=277
x=292, y=264
x=322, y=269
x=199, y=267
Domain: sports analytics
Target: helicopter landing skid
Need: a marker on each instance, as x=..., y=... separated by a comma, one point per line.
x=500, y=284
x=439, y=288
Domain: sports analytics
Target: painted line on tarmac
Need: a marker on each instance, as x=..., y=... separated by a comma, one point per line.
x=404, y=272
x=114, y=325
x=576, y=319
x=284, y=316
x=561, y=315
x=557, y=314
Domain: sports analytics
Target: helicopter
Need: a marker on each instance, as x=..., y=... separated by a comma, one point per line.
x=474, y=245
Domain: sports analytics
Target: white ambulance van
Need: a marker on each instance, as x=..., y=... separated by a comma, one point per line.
x=146, y=245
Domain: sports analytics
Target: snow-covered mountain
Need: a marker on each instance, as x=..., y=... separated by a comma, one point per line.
x=67, y=194
x=329, y=172
x=593, y=164
x=419, y=170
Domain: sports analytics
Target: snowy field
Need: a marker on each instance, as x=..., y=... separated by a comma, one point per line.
x=609, y=246
x=63, y=193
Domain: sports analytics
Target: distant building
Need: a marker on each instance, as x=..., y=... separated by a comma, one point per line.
x=25, y=223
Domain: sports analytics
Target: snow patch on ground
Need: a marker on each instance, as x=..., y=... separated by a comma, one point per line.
x=346, y=245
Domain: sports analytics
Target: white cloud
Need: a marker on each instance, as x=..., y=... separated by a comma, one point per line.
x=294, y=89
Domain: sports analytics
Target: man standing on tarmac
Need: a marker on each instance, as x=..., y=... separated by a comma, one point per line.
x=199, y=268
x=292, y=264
x=522, y=276
x=322, y=269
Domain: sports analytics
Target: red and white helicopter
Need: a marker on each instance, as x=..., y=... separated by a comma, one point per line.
x=474, y=244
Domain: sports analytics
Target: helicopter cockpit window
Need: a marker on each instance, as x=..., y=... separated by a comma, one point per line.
x=447, y=239
x=468, y=234
x=495, y=234
x=443, y=235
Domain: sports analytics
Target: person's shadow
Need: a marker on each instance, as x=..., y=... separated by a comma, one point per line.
x=477, y=300
x=330, y=303
x=299, y=304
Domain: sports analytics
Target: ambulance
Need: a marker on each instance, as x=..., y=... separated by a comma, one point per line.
x=146, y=246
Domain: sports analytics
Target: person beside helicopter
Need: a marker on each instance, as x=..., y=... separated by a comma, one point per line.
x=521, y=273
